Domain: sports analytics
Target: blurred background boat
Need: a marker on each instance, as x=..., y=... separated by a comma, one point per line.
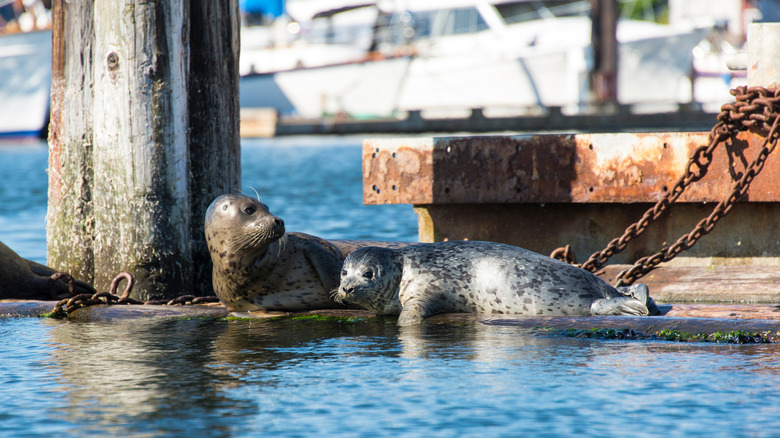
x=369, y=60
x=464, y=54
x=25, y=68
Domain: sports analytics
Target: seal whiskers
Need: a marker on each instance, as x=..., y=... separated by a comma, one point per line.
x=282, y=244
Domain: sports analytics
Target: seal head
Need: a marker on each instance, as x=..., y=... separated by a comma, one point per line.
x=371, y=278
x=240, y=224
x=241, y=234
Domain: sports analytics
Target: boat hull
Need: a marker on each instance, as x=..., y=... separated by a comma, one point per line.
x=651, y=70
x=25, y=84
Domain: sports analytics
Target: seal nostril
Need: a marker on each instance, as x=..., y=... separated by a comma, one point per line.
x=279, y=222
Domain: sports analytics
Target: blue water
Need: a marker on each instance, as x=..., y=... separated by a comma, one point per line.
x=349, y=379
x=314, y=184
x=23, y=192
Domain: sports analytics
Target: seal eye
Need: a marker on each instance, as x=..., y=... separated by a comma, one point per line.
x=343, y=272
x=368, y=275
x=250, y=210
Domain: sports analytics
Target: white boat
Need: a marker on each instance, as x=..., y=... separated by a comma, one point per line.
x=310, y=34
x=25, y=83
x=495, y=55
x=430, y=55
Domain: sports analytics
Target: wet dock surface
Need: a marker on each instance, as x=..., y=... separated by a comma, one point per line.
x=689, y=318
x=753, y=284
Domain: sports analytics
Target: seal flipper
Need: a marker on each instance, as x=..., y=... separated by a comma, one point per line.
x=413, y=312
x=619, y=306
x=641, y=293
x=325, y=259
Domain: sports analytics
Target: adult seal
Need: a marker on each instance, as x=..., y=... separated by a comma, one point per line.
x=27, y=280
x=479, y=277
x=260, y=267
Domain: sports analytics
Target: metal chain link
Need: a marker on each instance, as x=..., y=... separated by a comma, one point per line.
x=64, y=307
x=755, y=109
x=706, y=225
x=695, y=170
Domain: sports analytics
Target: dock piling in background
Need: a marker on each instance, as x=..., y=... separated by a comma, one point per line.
x=144, y=134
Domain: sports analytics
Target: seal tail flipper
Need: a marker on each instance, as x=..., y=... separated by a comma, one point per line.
x=619, y=306
x=641, y=293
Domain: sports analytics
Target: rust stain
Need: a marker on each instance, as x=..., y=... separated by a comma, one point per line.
x=627, y=167
x=396, y=171
x=581, y=168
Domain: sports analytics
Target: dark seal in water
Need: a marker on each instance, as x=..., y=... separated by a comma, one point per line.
x=27, y=280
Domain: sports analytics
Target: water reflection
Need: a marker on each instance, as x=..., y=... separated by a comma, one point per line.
x=291, y=377
x=147, y=377
x=244, y=347
x=481, y=343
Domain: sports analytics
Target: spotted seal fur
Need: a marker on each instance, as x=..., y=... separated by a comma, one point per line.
x=479, y=277
x=258, y=266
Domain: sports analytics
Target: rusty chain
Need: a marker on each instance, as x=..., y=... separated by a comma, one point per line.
x=565, y=254
x=75, y=301
x=755, y=108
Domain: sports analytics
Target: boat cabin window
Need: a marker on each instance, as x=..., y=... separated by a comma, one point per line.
x=518, y=12
x=402, y=27
x=421, y=22
x=351, y=26
x=463, y=20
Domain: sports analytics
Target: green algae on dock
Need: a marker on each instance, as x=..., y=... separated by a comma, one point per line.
x=681, y=323
x=732, y=337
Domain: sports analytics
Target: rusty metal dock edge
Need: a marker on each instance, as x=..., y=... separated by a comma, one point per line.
x=544, y=191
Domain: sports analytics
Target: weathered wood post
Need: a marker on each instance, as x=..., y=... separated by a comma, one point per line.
x=69, y=221
x=144, y=135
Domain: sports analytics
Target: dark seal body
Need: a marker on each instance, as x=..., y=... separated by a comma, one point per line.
x=479, y=277
x=25, y=279
x=259, y=266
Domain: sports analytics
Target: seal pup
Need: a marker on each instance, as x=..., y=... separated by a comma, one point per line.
x=258, y=266
x=479, y=277
x=25, y=279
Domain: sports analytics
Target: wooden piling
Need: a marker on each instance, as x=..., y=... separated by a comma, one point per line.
x=69, y=221
x=144, y=135
x=214, y=119
x=604, y=73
